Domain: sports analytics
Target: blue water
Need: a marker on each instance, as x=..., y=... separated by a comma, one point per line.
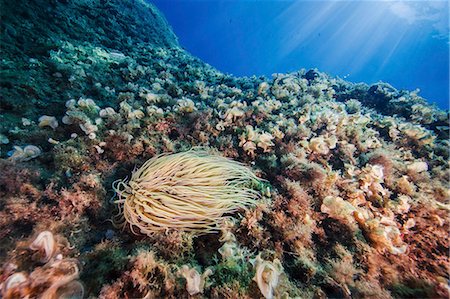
x=404, y=43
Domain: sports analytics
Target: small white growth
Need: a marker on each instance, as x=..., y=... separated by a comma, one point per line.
x=66, y=120
x=26, y=122
x=185, y=105
x=418, y=166
x=386, y=235
x=154, y=110
x=337, y=207
x=402, y=205
x=232, y=114
x=53, y=141
x=149, y=97
x=13, y=281
x=88, y=128
x=370, y=180
x=107, y=112
x=4, y=139
x=267, y=275
x=228, y=250
x=322, y=145
x=265, y=141
x=86, y=103
x=71, y=103
x=99, y=149
x=247, y=140
x=44, y=242
x=252, y=138
x=135, y=114
x=25, y=154
x=48, y=121
x=195, y=283
x=410, y=223
x=263, y=88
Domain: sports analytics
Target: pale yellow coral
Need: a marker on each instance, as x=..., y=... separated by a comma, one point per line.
x=61, y=275
x=370, y=180
x=229, y=249
x=322, y=145
x=25, y=154
x=419, y=166
x=402, y=205
x=248, y=146
x=267, y=106
x=422, y=113
x=88, y=127
x=48, y=121
x=265, y=141
x=276, y=132
x=417, y=133
x=135, y=114
x=107, y=112
x=233, y=114
x=57, y=278
x=150, y=98
x=247, y=140
x=202, y=89
x=251, y=134
x=337, y=207
x=185, y=105
x=405, y=186
x=221, y=125
x=44, y=243
x=154, y=110
x=12, y=282
x=26, y=122
x=86, y=103
x=267, y=275
x=195, y=283
x=263, y=88
x=384, y=233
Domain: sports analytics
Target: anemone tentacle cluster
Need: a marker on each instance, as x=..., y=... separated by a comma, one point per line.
x=190, y=191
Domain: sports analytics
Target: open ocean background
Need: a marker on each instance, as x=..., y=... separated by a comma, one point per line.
x=404, y=43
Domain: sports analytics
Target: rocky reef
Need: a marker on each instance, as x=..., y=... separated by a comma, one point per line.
x=353, y=197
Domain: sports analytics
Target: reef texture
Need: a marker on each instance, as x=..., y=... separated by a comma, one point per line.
x=354, y=198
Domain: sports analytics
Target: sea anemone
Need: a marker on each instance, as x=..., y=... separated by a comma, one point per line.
x=190, y=191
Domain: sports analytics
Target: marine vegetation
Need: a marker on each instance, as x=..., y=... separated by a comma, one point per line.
x=298, y=185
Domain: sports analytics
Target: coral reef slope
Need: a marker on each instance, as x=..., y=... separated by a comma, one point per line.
x=336, y=190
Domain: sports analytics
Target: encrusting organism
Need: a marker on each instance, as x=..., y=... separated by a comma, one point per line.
x=54, y=276
x=192, y=191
